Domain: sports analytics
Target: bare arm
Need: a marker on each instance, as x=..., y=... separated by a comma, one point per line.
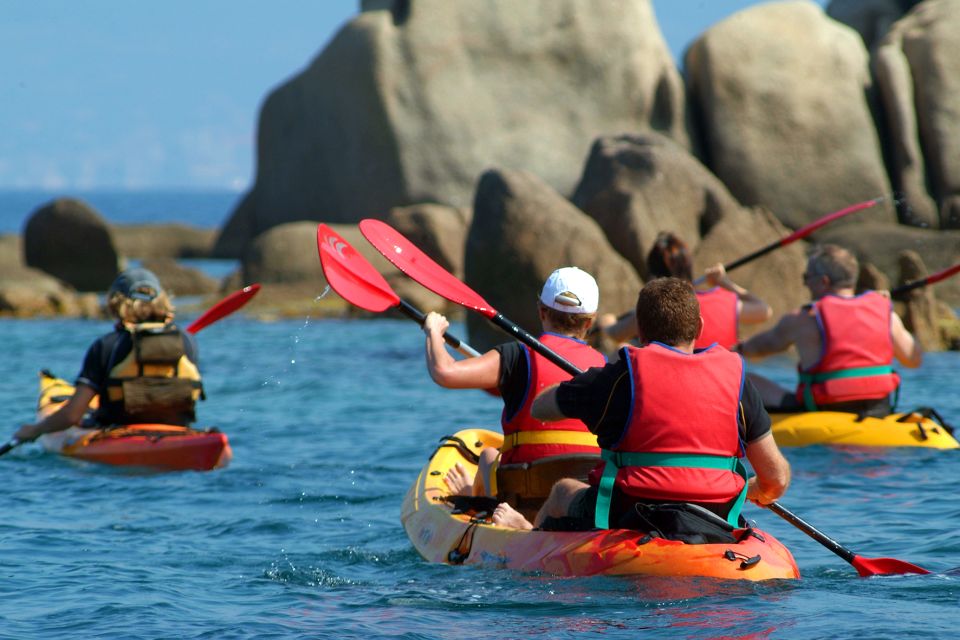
x=624, y=329
x=772, y=469
x=446, y=371
x=906, y=348
x=750, y=308
x=63, y=418
x=545, y=405
x=775, y=340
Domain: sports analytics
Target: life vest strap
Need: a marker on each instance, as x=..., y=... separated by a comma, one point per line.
x=616, y=460
x=552, y=436
x=807, y=380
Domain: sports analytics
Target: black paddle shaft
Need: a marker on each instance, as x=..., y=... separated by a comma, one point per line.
x=8, y=446
x=525, y=337
x=809, y=529
x=415, y=314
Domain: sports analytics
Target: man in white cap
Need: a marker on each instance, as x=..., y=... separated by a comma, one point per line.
x=567, y=308
x=143, y=371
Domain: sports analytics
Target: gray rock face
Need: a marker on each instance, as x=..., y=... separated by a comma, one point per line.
x=917, y=66
x=413, y=99
x=439, y=231
x=635, y=186
x=870, y=18
x=779, y=90
x=69, y=240
x=162, y=240
x=522, y=230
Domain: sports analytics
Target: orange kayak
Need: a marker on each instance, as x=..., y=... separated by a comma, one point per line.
x=442, y=535
x=158, y=446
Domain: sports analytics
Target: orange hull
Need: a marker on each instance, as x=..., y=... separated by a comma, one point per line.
x=158, y=446
x=442, y=536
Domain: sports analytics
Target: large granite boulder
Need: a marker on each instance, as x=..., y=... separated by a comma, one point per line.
x=917, y=66
x=26, y=293
x=69, y=240
x=144, y=241
x=413, y=99
x=637, y=185
x=780, y=90
x=521, y=231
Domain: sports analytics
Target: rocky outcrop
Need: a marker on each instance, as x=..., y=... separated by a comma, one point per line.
x=26, y=293
x=637, y=185
x=413, y=99
x=779, y=92
x=180, y=280
x=930, y=321
x=145, y=241
x=521, y=231
x=70, y=241
x=918, y=72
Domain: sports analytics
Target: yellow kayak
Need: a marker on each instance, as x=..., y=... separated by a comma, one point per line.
x=921, y=428
x=442, y=534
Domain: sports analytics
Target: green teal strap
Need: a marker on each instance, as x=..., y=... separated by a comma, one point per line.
x=617, y=459
x=856, y=372
x=807, y=380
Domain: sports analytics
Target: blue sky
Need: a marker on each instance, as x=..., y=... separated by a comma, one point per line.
x=122, y=94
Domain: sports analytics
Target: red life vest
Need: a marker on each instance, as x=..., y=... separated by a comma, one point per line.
x=857, y=352
x=685, y=404
x=718, y=306
x=527, y=439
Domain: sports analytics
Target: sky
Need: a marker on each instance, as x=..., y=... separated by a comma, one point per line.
x=133, y=94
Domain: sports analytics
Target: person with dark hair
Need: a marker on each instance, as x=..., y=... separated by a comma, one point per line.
x=724, y=304
x=145, y=370
x=846, y=343
x=567, y=307
x=672, y=422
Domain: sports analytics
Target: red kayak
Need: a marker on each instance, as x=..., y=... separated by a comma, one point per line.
x=158, y=446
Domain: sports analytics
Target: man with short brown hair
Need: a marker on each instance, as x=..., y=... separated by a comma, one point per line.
x=846, y=343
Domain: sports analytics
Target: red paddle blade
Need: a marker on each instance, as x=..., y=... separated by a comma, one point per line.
x=351, y=275
x=224, y=308
x=884, y=566
x=419, y=266
x=803, y=232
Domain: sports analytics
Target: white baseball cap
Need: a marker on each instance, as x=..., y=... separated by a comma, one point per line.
x=571, y=290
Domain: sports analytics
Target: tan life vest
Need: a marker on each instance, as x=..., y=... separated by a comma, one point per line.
x=156, y=381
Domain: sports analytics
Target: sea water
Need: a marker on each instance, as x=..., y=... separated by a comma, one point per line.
x=300, y=537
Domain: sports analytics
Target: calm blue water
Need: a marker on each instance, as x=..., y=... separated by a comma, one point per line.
x=300, y=537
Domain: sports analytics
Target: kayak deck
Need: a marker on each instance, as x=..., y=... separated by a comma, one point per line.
x=913, y=429
x=442, y=535
x=158, y=446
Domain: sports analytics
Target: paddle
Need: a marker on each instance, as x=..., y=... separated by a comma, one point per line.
x=220, y=310
x=409, y=259
x=922, y=282
x=864, y=566
x=799, y=234
x=419, y=266
x=223, y=308
x=359, y=283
